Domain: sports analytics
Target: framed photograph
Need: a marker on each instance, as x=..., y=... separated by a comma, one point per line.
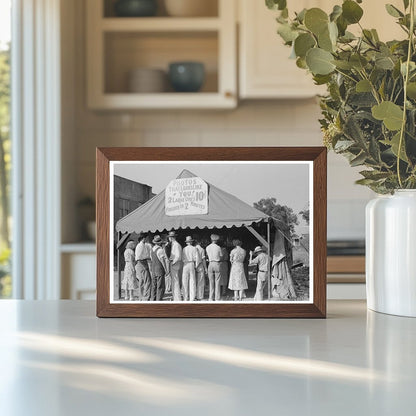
x=211, y=232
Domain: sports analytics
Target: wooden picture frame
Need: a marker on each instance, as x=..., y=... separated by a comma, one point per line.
x=314, y=308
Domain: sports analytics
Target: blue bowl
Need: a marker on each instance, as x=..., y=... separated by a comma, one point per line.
x=135, y=8
x=186, y=76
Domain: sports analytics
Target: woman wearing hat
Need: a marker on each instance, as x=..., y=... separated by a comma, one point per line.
x=261, y=260
x=238, y=281
x=128, y=282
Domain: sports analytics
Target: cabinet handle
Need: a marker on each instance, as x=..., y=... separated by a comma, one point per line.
x=229, y=94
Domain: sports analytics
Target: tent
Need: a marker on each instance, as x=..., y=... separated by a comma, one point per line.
x=225, y=210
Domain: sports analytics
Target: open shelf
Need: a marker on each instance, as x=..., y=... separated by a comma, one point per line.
x=211, y=9
x=126, y=51
x=119, y=45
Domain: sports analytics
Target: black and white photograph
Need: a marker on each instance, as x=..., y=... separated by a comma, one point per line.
x=211, y=231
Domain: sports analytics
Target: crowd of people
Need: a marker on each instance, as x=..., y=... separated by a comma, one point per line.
x=155, y=267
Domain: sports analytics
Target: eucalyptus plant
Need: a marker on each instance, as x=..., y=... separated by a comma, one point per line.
x=369, y=111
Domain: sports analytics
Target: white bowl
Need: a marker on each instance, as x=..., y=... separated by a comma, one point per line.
x=147, y=80
x=191, y=8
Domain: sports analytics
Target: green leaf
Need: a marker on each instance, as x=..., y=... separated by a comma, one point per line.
x=358, y=61
x=287, y=33
x=384, y=62
x=388, y=112
x=351, y=11
x=358, y=160
x=406, y=4
x=316, y=20
x=303, y=43
x=374, y=175
x=342, y=25
x=343, y=145
x=276, y=4
x=344, y=65
x=347, y=37
x=393, y=11
x=375, y=35
x=320, y=61
x=394, y=145
x=333, y=32
x=301, y=63
x=363, y=86
x=411, y=90
x=325, y=42
x=321, y=79
x=301, y=15
x=336, y=12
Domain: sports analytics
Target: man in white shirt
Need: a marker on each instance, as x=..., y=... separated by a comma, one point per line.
x=191, y=260
x=143, y=264
x=262, y=262
x=160, y=268
x=201, y=271
x=214, y=270
x=175, y=266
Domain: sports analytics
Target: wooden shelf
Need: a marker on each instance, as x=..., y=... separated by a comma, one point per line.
x=160, y=24
x=197, y=100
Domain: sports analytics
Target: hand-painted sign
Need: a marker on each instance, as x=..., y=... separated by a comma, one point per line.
x=186, y=196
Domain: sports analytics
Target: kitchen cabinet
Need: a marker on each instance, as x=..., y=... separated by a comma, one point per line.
x=78, y=263
x=265, y=70
x=118, y=45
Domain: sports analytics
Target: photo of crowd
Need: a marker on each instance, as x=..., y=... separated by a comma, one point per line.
x=194, y=242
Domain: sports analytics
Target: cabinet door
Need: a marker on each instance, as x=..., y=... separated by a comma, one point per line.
x=266, y=71
x=265, y=68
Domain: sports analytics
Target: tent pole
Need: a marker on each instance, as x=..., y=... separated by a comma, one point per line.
x=118, y=265
x=269, y=259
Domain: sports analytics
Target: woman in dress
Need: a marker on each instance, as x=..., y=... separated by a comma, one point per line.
x=128, y=282
x=238, y=280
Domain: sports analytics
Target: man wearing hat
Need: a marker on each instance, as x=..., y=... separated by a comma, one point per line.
x=261, y=260
x=214, y=270
x=201, y=271
x=160, y=268
x=191, y=260
x=143, y=264
x=175, y=266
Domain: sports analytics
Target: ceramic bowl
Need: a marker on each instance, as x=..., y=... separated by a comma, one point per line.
x=186, y=76
x=147, y=80
x=135, y=8
x=191, y=8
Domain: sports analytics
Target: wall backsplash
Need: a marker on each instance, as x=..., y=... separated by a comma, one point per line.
x=254, y=123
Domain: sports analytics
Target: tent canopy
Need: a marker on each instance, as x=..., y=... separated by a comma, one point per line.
x=225, y=210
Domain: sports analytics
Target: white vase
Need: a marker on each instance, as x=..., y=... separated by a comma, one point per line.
x=391, y=253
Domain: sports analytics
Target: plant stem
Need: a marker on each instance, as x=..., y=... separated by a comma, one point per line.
x=406, y=80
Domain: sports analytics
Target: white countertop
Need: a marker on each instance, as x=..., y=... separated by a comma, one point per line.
x=57, y=358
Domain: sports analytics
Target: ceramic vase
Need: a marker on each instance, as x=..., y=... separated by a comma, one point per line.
x=391, y=253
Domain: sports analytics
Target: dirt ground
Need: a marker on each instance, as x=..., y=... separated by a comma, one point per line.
x=300, y=278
